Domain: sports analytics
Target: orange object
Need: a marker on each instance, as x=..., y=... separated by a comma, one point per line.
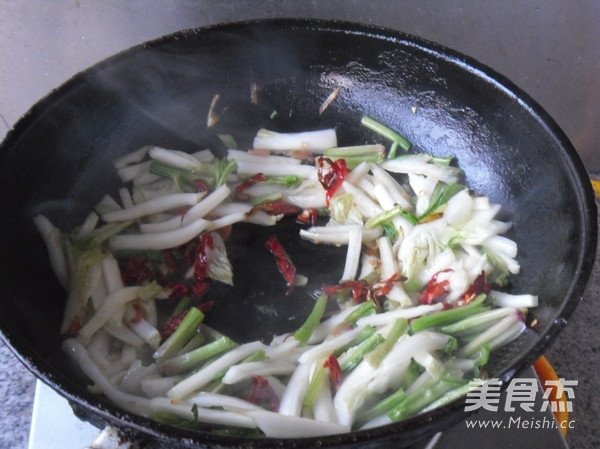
x=546, y=371
x=596, y=186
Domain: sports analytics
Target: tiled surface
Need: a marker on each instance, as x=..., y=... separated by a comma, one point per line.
x=17, y=387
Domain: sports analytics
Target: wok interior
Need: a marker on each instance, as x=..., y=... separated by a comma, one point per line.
x=58, y=161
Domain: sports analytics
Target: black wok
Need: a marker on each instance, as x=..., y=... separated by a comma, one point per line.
x=57, y=160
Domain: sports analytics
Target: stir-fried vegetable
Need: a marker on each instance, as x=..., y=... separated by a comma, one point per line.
x=419, y=306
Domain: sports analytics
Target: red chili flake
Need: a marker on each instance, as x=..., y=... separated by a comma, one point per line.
x=171, y=325
x=335, y=370
x=178, y=291
x=190, y=250
x=279, y=207
x=206, y=307
x=308, y=216
x=201, y=285
x=169, y=259
x=249, y=182
x=201, y=185
x=139, y=314
x=331, y=175
x=201, y=261
x=74, y=327
x=262, y=393
x=284, y=263
x=383, y=288
x=181, y=212
x=200, y=288
x=332, y=290
x=225, y=231
x=479, y=286
x=435, y=291
x=136, y=271
x=360, y=290
x=302, y=155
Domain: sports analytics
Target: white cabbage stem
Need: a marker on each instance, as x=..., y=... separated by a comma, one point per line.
x=175, y=158
x=338, y=235
x=159, y=240
x=207, y=374
x=353, y=253
x=204, y=415
x=153, y=206
x=196, y=212
x=276, y=425
x=245, y=167
x=315, y=141
x=238, y=155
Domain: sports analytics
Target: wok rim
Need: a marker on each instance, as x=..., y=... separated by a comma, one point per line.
x=420, y=425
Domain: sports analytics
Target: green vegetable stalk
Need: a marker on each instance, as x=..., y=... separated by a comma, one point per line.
x=386, y=132
x=356, y=354
x=449, y=316
x=183, y=334
x=305, y=331
x=187, y=361
x=399, y=328
x=420, y=398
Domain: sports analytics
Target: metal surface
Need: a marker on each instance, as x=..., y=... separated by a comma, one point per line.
x=550, y=48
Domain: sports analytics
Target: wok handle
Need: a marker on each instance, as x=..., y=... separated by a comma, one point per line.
x=112, y=438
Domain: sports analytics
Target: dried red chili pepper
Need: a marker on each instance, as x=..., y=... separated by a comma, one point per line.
x=359, y=289
x=201, y=261
x=479, y=286
x=171, y=325
x=74, y=327
x=225, y=231
x=449, y=305
x=200, y=288
x=262, y=393
x=279, y=207
x=189, y=251
x=331, y=175
x=169, y=259
x=249, y=182
x=435, y=291
x=284, y=263
x=200, y=284
x=182, y=210
x=178, y=291
x=201, y=185
x=383, y=287
x=303, y=155
x=139, y=314
x=136, y=271
x=308, y=216
x=206, y=307
x=335, y=371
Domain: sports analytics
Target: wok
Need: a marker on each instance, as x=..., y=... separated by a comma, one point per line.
x=57, y=160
